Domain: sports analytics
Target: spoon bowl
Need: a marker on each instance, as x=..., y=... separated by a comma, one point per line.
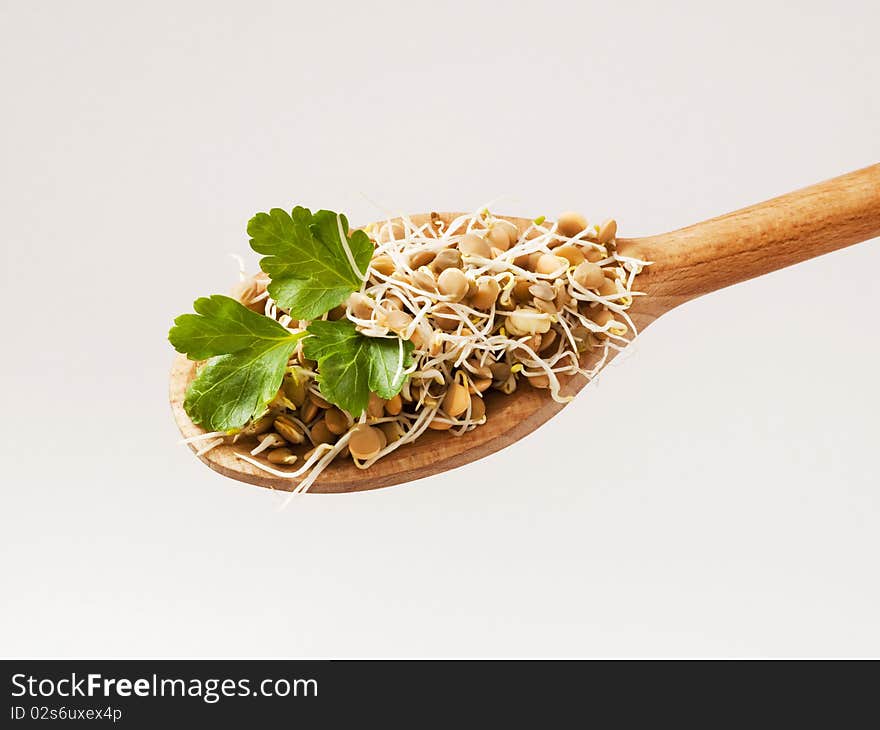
x=509, y=418
x=685, y=264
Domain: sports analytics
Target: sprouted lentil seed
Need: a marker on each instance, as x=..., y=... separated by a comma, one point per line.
x=486, y=306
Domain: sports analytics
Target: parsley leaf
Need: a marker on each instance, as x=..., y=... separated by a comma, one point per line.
x=306, y=259
x=249, y=353
x=350, y=364
x=221, y=326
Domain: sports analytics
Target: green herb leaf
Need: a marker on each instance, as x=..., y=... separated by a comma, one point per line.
x=221, y=326
x=350, y=365
x=306, y=259
x=231, y=390
x=249, y=353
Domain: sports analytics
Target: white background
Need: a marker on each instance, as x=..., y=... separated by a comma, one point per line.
x=716, y=494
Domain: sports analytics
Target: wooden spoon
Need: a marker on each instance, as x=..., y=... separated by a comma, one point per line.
x=686, y=264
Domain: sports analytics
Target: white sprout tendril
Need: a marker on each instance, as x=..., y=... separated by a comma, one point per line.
x=345, y=247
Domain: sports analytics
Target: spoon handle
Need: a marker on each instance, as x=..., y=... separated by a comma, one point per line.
x=759, y=239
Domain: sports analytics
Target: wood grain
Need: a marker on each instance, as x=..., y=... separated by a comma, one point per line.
x=687, y=263
x=717, y=253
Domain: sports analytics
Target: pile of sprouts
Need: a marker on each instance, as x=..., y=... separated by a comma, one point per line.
x=486, y=304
